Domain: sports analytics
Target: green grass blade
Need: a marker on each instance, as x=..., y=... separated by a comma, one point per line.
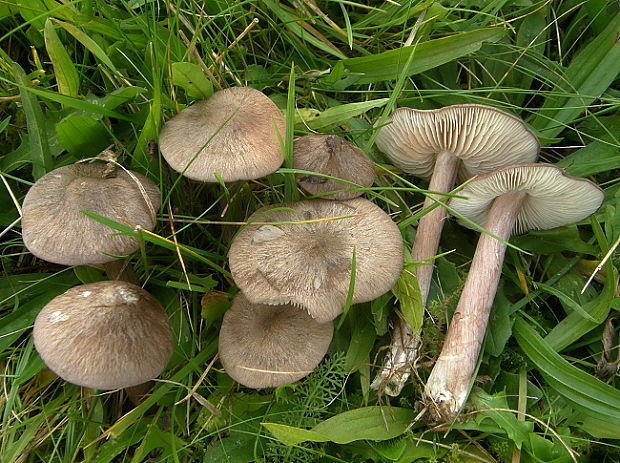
x=349, y=300
x=40, y=155
x=408, y=294
x=590, y=73
x=374, y=423
x=89, y=43
x=64, y=70
x=337, y=115
x=290, y=186
x=389, y=65
x=588, y=394
x=292, y=23
x=158, y=240
x=65, y=100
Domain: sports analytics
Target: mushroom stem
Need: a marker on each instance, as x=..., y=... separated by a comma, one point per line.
x=121, y=270
x=430, y=226
x=404, y=348
x=448, y=385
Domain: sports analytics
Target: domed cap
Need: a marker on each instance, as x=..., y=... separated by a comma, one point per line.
x=334, y=156
x=553, y=198
x=105, y=335
x=54, y=229
x=309, y=264
x=483, y=137
x=234, y=133
x=270, y=345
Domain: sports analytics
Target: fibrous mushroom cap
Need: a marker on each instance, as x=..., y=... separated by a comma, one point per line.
x=553, y=197
x=483, y=137
x=105, y=335
x=334, y=156
x=270, y=345
x=234, y=133
x=309, y=264
x=54, y=229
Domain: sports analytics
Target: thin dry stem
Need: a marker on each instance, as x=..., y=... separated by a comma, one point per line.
x=404, y=349
x=121, y=270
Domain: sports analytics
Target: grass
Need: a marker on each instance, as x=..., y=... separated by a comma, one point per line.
x=79, y=76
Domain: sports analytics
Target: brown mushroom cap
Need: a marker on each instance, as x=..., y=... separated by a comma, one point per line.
x=105, y=335
x=309, y=264
x=270, y=345
x=54, y=229
x=483, y=137
x=334, y=156
x=234, y=133
x=553, y=197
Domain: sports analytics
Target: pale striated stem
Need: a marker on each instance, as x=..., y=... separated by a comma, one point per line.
x=448, y=385
x=430, y=226
x=404, y=348
x=121, y=270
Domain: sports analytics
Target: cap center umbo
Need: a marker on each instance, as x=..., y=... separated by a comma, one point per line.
x=310, y=255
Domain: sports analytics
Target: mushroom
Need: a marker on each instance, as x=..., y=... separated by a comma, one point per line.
x=305, y=254
x=270, y=345
x=334, y=156
x=104, y=335
x=54, y=228
x=507, y=201
x=234, y=134
x=443, y=144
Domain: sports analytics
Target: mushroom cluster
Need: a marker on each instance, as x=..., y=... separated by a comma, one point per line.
x=443, y=145
x=105, y=335
x=296, y=264
x=292, y=262
x=507, y=195
x=296, y=261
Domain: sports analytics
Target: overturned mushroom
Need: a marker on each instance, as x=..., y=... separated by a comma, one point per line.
x=507, y=201
x=235, y=134
x=305, y=257
x=270, y=345
x=441, y=145
x=334, y=156
x=54, y=228
x=105, y=335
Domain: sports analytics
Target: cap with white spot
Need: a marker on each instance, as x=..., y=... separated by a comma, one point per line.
x=305, y=257
x=105, y=335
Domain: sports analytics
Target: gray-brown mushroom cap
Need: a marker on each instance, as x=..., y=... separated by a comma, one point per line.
x=553, y=198
x=309, y=264
x=334, y=156
x=105, y=335
x=54, y=229
x=234, y=134
x=482, y=137
x=270, y=345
